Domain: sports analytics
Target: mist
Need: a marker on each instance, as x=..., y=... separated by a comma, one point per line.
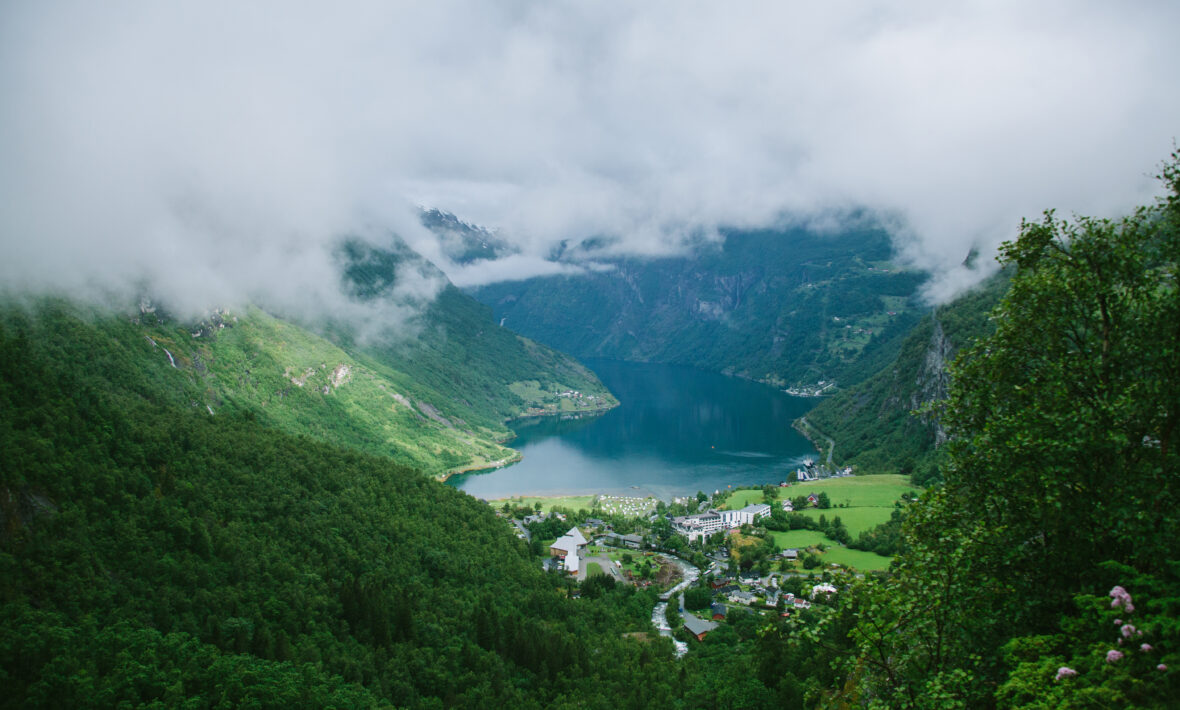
x=214, y=153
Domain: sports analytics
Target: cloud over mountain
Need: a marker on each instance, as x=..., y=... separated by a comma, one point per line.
x=217, y=150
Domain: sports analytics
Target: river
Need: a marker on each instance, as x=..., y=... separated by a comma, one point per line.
x=677, y=430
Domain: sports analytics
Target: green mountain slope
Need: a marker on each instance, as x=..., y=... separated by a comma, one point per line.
x=436, y=398
x=154, y=554
x=790, y=308
x=872, y=422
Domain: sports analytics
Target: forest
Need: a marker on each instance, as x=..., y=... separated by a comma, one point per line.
x=154, y=554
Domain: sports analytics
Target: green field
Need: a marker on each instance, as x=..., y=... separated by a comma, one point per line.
x=857, y=559
x=742, y=498
x=800, y=539
x=548, y=503
x=857, y=491
x=870, y=500
x=856, y=520
x=594, y=568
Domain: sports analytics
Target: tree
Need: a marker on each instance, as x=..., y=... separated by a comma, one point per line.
x=697, y=598
x=1062, y=458
x=823, y=500
x=1064, y=419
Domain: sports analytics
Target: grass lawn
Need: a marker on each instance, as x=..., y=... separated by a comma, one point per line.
x=869, y=498
x=548, y=503
x=857, y=491
x=594, y=568
x=740, y=499
x=800, y=539
x=856, y=520
x=857, y=559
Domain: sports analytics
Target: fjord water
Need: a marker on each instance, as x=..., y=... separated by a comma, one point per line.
x=676, y=431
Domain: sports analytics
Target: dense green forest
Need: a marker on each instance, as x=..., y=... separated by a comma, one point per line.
x=785, y=307
x=873, y=421
x=156, y=555
x=153, y=553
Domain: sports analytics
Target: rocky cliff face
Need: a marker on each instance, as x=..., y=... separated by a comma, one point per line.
x=933, y=381
x=878, y=424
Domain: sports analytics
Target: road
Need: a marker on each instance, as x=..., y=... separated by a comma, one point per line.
x=604, y=563
x=831, y=442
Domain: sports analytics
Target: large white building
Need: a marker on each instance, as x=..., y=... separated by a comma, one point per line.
x=569, y=548
x=705, y=524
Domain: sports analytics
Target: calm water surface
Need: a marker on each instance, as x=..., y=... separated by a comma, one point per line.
x=677, y=431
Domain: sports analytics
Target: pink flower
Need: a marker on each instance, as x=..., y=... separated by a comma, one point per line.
x=1144, y=647
x=1120, y=597
x=1127, y=630
x=1118, y=622
x=1161, y=667
x=1112, y=655
x=1064, y=672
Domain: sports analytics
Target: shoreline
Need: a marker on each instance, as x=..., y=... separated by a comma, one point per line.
x=809, y=432
x=516, y=456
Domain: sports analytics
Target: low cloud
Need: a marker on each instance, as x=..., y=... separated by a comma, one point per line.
x=217, y=151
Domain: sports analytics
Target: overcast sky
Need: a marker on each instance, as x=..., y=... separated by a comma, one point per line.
x=213, y=150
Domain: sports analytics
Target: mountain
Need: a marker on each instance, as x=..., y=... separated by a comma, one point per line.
x=873, y=423
x=156, y=554
x=463, y=242
x=792, y=308
x=435, y=396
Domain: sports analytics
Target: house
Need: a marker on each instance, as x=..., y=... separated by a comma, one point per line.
x=719, y=610
x=569, y=548
x=740, y=597
x=788, y=506
x=633, y=542
x=791, y=554
x=813, y=499
x=827, y=590
x=698, y=627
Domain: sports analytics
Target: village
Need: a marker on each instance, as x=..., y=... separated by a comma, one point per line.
x=715, y=560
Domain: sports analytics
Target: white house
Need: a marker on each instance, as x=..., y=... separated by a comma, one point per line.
x=569, y=548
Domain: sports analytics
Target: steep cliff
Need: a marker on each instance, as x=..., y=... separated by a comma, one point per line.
x=883, y=424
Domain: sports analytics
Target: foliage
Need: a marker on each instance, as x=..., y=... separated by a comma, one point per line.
x=1062, y=467
x=697, y=598
x=1113, y=650
x=153, y=553
x=783, y=307
x=873, y=422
